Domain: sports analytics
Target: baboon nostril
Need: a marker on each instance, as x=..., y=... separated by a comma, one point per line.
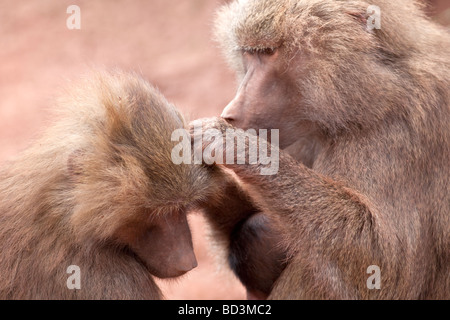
x=228, y=119
x=228, y=114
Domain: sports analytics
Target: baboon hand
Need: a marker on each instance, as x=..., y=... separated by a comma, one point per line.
x=209, y=123
x=217, y=142
x=209, y=133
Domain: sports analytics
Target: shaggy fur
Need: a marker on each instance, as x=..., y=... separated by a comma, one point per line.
x=87, y=184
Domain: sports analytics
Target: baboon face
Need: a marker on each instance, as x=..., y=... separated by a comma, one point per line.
x=304, y=66
x=166, y=245
x=267, y=96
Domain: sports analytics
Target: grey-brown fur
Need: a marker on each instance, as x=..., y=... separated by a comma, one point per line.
x=87, y=190
x=368, y=182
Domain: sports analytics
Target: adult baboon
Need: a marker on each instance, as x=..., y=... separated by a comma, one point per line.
x=364, y=117
x=99, y=190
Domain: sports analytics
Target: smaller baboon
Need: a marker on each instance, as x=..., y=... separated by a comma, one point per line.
x=99, y=191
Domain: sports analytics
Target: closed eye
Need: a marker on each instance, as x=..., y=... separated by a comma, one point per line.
x=261, y=51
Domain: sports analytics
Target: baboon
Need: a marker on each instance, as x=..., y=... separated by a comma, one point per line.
x=99, y=190
x=363, y=118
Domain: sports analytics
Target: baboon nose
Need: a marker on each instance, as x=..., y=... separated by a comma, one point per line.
x=227, y=113
x=188, y=263
x=194, y=264
x=227, y=117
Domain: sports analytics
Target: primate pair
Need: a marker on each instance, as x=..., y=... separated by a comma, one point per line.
x=363, y=171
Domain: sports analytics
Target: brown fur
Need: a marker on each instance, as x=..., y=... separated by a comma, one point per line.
x=365, y=115
x=89, y=192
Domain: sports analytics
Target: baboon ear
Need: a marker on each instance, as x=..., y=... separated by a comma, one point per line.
x=74, y=164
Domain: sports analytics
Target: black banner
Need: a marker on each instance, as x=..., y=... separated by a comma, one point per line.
x=206, y=309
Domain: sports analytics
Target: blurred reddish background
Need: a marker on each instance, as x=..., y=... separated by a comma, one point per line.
x=169, y=42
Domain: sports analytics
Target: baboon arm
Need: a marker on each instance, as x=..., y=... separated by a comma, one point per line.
x=327, y=227
x=306, y=199
x=225, y=210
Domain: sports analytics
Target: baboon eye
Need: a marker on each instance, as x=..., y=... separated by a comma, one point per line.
x=262, y=51
x=267, y=51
